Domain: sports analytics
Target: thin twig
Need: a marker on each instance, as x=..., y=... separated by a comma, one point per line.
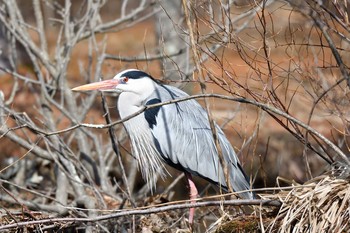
x=263, y=106
x=114, y=142
x=142, y=58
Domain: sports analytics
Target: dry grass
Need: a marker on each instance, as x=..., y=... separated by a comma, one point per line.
x=320, y=205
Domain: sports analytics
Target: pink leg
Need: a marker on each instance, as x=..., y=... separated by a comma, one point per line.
x=193, y=196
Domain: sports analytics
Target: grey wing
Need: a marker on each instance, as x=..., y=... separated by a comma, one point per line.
x=184, y=139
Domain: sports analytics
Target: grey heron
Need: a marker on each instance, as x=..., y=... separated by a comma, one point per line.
x=177, y=134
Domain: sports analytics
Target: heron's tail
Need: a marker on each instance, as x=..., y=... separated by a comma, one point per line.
x=240, y=182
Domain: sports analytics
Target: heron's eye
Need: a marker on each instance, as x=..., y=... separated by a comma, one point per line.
x=125, y=79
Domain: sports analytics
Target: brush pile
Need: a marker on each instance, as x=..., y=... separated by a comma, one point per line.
x=320, y=205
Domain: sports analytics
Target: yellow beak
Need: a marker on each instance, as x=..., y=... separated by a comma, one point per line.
x=107, y=85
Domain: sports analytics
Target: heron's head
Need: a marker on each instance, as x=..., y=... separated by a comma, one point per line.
x=131, y=80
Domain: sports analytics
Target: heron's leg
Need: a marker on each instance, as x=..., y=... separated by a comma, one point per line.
x=193, y=195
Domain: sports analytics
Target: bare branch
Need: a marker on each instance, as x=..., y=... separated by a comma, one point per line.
x=144, y=211
x=263, y=106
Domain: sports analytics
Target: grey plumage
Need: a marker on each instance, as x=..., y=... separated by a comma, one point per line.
x=178, y=134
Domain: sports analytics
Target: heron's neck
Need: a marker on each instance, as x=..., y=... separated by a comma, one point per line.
x=129, y=103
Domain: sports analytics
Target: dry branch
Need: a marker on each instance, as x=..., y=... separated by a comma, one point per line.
x=143, y=211
x=287, y=59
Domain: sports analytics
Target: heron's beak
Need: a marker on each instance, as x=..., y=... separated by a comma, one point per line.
x=107, y=85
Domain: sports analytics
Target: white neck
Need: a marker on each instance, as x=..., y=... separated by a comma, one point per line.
x=134, y=94
x=128, y=103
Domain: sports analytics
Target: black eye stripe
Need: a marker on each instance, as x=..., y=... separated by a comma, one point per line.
x=136, y=74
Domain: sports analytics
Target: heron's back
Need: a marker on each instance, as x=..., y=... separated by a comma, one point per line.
x=183, y=137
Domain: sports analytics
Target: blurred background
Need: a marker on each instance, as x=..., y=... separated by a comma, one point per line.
x=289, y=55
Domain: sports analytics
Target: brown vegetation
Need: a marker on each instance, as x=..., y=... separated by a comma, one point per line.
x=287, y=61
